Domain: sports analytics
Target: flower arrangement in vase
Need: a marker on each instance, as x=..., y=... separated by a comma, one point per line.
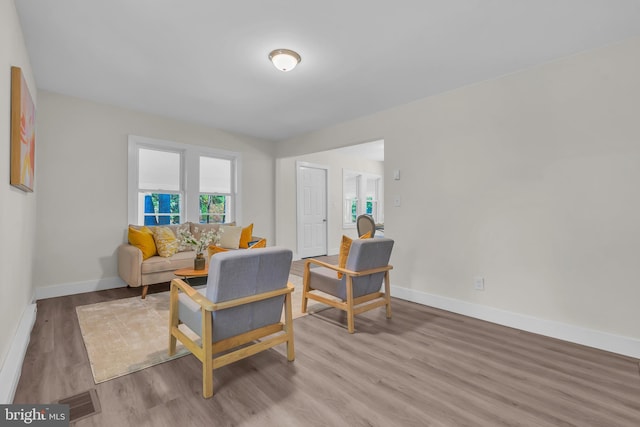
x=198, y=245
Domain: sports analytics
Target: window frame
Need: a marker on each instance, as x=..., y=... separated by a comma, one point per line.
x=140, y=216
x=189, y=177
x=361, y=190
x=347, y=203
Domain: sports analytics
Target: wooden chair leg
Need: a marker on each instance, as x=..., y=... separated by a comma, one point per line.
x=173, y=319
x=305, y=287
x=207, y=379
x=145, y=289
x=207, y=362
x=172, y=345
x=350, y=315
x=387, y=291
x=288, y=327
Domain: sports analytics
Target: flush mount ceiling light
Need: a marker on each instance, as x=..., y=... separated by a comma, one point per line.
x=284, y=59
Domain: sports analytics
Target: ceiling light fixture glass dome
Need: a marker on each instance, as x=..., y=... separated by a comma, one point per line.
x=284, y=59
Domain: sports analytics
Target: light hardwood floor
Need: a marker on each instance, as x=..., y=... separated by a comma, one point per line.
x=423, y=367
x=297, y=267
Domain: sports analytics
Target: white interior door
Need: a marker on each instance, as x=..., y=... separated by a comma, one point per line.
x=312, y=210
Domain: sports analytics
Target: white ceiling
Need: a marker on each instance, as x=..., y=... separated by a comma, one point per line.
x=205, y=61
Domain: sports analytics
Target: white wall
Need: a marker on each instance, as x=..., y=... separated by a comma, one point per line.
x=17, y=208
x=286, y=195
x=530, y=180
x=82, y=194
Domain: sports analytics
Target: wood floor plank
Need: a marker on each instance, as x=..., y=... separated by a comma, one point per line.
x=423, y=367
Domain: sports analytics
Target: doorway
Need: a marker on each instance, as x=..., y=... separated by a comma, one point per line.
x=311, y=209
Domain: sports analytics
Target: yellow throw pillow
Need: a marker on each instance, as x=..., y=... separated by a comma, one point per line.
x=345, y=246
x=166, y=242
x=143, y=240
x=245, y=236
x=212, y=250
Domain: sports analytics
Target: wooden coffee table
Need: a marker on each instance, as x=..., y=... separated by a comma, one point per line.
x=190, y=275
x=187, y=273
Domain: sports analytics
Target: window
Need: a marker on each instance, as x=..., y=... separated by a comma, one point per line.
x=371, y=196
x=215, y=190
x=350, y=192
x=159, y=187
x=361, y=195
x=172, y=183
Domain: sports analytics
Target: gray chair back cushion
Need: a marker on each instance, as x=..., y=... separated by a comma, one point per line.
x=237, y=274
x=364, y=254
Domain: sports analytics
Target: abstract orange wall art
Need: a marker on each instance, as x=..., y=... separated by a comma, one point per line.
x=23, y=132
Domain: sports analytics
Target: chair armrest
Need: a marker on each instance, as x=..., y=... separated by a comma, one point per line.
x=370, y=271
x=202, y=301
x=197, y=297
x=258, y=242
x=129, y=264
x=253, y=298
x=308, y=263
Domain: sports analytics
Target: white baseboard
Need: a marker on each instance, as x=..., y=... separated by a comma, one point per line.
x=12, y=366
x=79, y=287
x=575, y=334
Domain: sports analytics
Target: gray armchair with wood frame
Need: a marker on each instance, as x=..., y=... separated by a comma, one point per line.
x=238, y=313
x=359, y=288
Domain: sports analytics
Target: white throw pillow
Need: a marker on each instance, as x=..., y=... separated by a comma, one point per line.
x=230, y=238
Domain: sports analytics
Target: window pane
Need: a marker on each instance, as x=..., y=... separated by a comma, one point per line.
x=370, y=206
x=214, y=208
x=372, y=188
x=350, y=187
x=159, y=170
x=160, y=208
x=371, y=196
x=215, y=175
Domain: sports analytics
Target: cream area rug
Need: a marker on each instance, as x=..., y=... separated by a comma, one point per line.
x=128, y=335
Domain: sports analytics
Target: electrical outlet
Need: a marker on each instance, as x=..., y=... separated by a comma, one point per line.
x=478, y=283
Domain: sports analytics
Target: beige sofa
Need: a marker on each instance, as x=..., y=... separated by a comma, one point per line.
x=136, y=271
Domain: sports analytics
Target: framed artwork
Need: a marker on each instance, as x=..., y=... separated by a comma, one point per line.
x=23, y=132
